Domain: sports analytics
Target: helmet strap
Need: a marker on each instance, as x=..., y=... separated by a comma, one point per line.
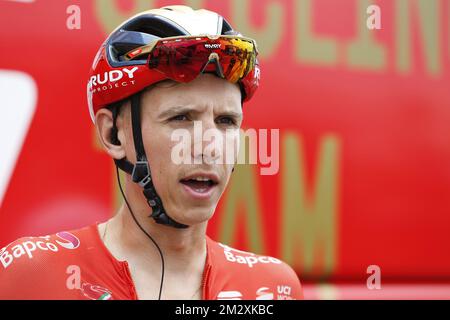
x=140, y=172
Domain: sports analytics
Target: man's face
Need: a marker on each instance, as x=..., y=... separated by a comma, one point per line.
x=214, y=105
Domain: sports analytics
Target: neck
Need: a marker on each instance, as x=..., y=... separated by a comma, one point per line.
x=184, y=250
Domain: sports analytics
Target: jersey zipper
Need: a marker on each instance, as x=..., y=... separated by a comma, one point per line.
x=204, y=281
x=131, y=285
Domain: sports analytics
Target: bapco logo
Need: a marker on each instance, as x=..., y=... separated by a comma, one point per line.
x=70, y=241
x=28, y=248
x=246, y=258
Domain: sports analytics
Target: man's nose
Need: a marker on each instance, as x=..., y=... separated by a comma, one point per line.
x=207, y=142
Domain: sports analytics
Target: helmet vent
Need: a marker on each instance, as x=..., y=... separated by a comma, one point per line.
x=227, y=29
x=156, y=26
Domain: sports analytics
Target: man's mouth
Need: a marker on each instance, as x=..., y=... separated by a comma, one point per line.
x=200, y=186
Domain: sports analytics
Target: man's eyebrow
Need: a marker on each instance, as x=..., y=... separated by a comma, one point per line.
x=174, y=111
x=230, y=113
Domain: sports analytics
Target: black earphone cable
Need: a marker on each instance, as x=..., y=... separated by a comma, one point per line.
x=145, y=232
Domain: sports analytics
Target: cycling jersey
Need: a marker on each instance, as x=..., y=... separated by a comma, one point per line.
x=77, y=265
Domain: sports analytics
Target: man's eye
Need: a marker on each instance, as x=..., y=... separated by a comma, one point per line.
x=180, y=117
x=226, y=120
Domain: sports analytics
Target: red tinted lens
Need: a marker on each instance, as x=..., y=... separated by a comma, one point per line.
x=182, y=60
x=237, y=58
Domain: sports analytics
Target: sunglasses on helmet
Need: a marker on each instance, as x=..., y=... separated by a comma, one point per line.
x=182, y=59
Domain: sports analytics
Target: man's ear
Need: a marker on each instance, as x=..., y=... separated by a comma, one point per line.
x=104, y=125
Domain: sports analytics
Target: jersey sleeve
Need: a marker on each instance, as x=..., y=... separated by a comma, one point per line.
x=244, y=275
x=288, y=283
x=15, y=275
x=29, y=271
x=68, y=265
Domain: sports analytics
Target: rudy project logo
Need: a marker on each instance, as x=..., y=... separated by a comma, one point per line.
x=27, y=248
x=113, y=79
x=246, y=258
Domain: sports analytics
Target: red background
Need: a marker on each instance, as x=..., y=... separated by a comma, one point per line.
x=394, y=132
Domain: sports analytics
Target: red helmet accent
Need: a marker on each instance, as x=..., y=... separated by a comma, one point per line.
x=112, y=79
x=108, y=84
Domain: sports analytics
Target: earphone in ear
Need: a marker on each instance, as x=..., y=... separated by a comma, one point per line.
x=114, y=139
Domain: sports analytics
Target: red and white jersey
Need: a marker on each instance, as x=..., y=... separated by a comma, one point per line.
x=77, y=265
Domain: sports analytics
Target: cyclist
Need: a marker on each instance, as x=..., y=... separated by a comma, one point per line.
x=160, y=71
